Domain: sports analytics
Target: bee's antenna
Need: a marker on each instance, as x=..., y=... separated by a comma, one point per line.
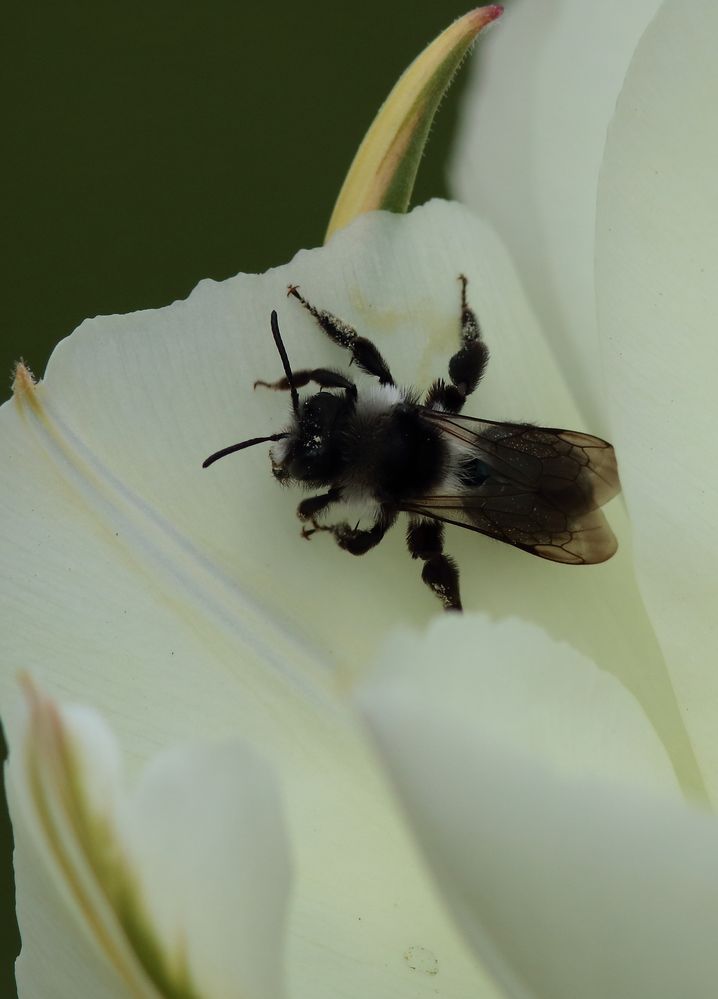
x=285, y=361
x=238, y=447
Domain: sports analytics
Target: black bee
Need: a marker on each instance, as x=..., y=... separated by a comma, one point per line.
x=537, y=488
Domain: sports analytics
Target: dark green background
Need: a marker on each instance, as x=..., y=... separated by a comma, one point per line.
x=147, y=146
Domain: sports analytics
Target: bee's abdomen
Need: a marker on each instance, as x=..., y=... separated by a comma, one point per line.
x=473, y=472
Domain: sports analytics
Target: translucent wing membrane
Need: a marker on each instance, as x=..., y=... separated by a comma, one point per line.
x=536, y=488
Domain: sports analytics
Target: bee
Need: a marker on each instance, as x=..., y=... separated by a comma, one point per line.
x=539, y=489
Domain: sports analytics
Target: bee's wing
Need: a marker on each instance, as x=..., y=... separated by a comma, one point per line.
x=539, y=488
x=522, y=522
x=542, y=458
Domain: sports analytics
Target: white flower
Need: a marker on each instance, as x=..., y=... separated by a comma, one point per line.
x=615, y=229
x=537, y=747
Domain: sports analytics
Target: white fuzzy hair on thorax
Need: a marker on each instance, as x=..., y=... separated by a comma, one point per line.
x=377, y=399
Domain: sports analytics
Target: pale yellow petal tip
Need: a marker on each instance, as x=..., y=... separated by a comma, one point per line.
x=45, y=725
x=384, y=169
x=35, y=699
x=24, y=385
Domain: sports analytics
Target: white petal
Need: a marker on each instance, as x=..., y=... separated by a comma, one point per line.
x=58, y=957
x=183, y=603
x=657, y=243
x=71, y=941
x=182, y=884
x=565, y=885
x=521, y=689
x=531, y=139
x=208, y=838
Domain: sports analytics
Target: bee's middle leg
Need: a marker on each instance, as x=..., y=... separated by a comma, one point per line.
x=466, y=367
x=354, y=540
x=425, y=540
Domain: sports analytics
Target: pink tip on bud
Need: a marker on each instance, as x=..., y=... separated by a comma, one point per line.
x=481, y=16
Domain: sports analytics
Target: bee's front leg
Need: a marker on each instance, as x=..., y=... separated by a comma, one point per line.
x=313, y=505
x=323, y=377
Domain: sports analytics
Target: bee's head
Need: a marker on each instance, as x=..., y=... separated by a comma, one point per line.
x=311, y=451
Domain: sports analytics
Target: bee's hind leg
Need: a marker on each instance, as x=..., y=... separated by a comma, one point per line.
x=425, y=539
x=466, y=367
x=364, y=353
